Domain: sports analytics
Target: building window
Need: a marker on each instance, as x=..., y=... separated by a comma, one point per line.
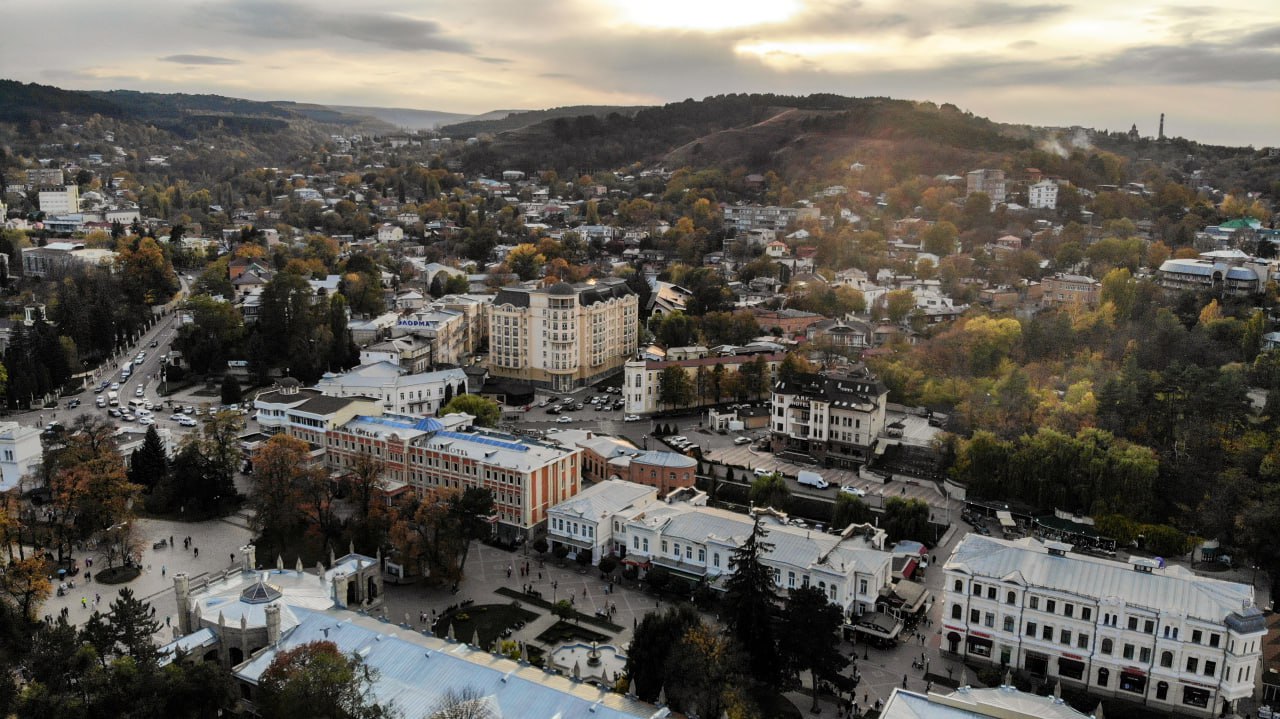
x=1148, y=627
x=1086, y=613
x=1210, y=669
x=702, y=556
x=715, y=559
x=975, y=616
x=1065, y=637
x=1046, y=633
x=1050, y=605
x=1031, y=629
x=862, y=587
x=977, y=589
x=1103, y=677
x=1082, y=641
x=1010, y=597
x=1144, y=655
x=1107, y=646
x=1035, y=602
x=956, y=611
x=1196, y=636
x=1213, y=640
x=991, y=593
x=959, y=586
x=1128, y=651
x=1192, y=665
x=989, y=620
x=1166, y=660
x=1068, y=610
x=1162, y=691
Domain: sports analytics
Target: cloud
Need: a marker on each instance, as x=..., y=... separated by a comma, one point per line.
x=495, y=60
x=990, y=14
x=199, y=60
x=283, y=19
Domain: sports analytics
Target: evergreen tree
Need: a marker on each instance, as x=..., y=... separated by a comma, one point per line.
x=148, y=466
x=134, y=625
x=809, y=639
x=231, y=393
x=749, y=605
x=655, y=637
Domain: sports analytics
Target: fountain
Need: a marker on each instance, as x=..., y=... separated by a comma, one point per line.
x=592, y=662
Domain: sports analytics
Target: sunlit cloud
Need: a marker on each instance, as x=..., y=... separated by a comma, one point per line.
x=701, y=15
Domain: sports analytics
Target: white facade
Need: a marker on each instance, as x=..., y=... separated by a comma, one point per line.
x=834, y=419
x=62, y=201
x=698, y=541
x=642, y=379
x=1043, y=195
x=591, y=520
x=400, y=392
x=20, y=453
x=1160, y=636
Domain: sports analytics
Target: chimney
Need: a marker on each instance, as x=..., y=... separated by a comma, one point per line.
x=273, y=624
x=182, y=591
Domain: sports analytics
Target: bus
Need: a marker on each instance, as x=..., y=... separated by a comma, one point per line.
x=113, y=399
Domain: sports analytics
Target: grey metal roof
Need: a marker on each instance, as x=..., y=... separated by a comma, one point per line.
x=416, y=672
x=968, y=703
x=1173, y=589
x=665, y=459
x=603, y=499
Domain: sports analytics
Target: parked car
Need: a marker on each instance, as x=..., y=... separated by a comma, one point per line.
x=761, y=471
x=146, y=420
x=177, y=416
x=855, y=491
x=742, y=440
x=186, y=421
x=812, y=479
x=114, y=412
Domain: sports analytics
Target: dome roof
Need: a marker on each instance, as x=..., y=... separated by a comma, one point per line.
x=260, y=592
x=428, y=424
x=562, y=289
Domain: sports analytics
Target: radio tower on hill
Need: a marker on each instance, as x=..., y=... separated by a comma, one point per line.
x=1160, y=137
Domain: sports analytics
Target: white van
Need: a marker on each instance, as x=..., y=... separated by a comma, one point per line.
x=812, y=479
x=136, y=404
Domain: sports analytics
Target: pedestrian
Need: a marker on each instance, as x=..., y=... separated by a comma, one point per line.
x=163, y=570
x=232, y=555
x=170, y=540
x=197, y=550
x=904, y=681
x=84, y=602
x=928, y=687
x=166, y=620
x=539, y=576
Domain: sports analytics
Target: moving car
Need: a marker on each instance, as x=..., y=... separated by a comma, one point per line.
x=742, y=440
x=138, y=392
x=631, y=418
x=855, y=491
x=565, y=420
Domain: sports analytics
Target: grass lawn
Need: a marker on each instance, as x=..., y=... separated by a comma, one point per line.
x=490, y=620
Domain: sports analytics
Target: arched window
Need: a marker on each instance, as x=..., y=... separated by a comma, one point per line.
x=1162, y=691
x=959, y=585
x=1010, y=598
x=1104, y=676
x=955, y=611
x=1107, y=646
x=1166, y=659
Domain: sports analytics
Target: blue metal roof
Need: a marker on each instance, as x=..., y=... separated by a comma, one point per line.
x=480, y=439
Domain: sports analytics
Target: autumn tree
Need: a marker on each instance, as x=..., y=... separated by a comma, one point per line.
x=317, y=679
x=146, y=275
x=276, y=494
x=525, y=260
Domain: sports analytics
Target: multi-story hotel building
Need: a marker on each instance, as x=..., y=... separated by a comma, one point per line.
x=642, y=381
x=526, y=477
x=836, y=419
x=563, y=336
x=748, y=218
x=1142, y=632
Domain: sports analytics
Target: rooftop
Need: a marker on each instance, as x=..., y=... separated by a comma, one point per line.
x=605, y=498
x=1173, y=589
x=968, y=703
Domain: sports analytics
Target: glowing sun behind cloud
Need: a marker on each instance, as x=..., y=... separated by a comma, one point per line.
x=703, y=15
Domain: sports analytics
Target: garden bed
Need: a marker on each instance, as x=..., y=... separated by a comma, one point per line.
x=116, y=575
x=488, y=620
x=563, y=632
x=537, y=602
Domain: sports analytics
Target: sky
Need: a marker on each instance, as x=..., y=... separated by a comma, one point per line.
x=1214, y=70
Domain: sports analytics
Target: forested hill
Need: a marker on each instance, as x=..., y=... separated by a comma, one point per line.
x=184, y=114
x=525, y=118
x=762, y=131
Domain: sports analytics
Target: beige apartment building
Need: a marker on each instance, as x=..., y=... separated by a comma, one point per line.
x=563, y=336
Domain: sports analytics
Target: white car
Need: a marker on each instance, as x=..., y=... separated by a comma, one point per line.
x=143, y=412
x=101, y=401
x=127, y=416
x=188, y=409
x=146, y=420
x=677, y=438
x=742, y=440
x=564, y=420
x=138, y=392
x=186, y=421
x=631, y=418
x=850, y=489
x=177, y=416
x=115, y=386
x=760, y=471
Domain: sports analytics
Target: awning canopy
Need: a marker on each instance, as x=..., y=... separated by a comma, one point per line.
x=1006, y=520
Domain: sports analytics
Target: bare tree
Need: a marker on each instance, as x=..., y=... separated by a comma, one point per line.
x=465, y=703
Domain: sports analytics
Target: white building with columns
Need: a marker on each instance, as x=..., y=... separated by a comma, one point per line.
x=1137, y=631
